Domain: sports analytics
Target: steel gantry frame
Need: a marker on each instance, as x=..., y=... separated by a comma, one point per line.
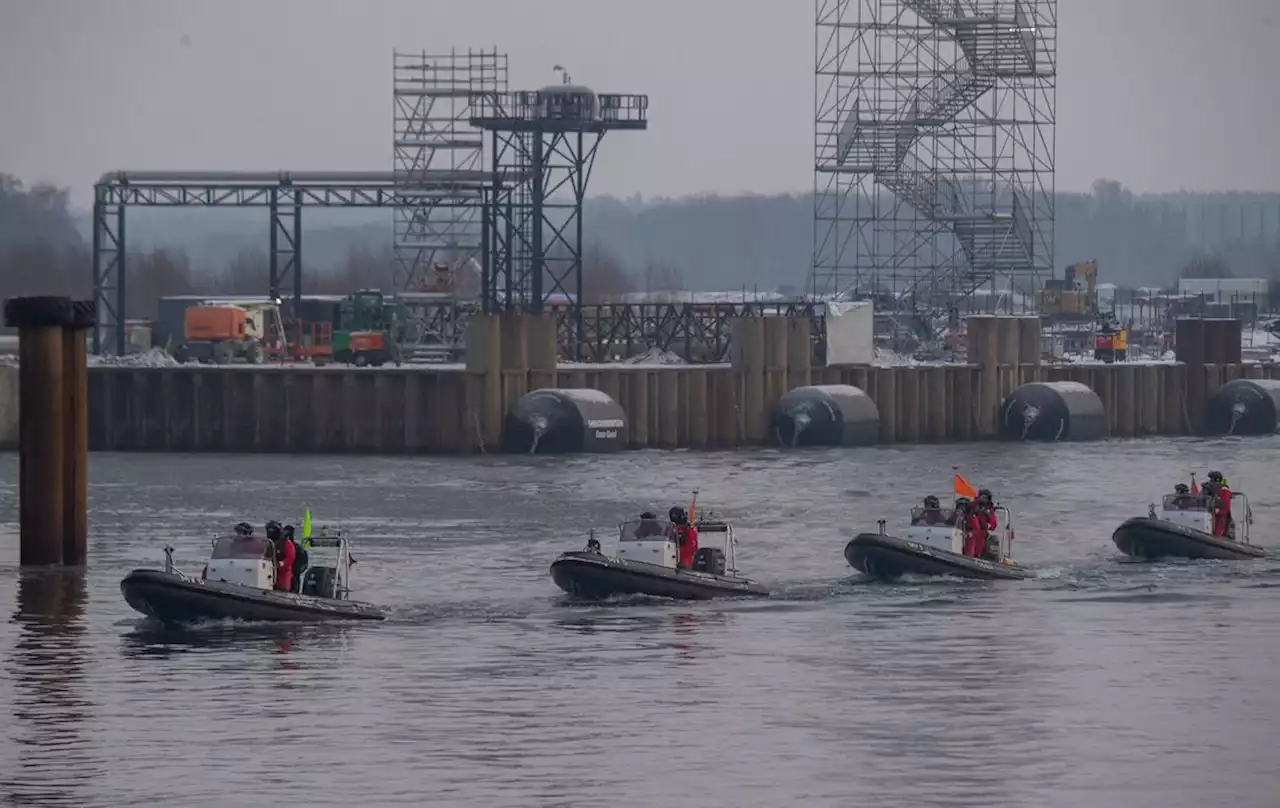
x=934, y=145
x=283, y=193
x=431, y=100
x=533, y=230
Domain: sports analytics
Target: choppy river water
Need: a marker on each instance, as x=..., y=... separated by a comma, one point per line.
x=1101, y=683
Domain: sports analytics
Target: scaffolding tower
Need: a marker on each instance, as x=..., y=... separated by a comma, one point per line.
x=432, y=99
x=934, y=147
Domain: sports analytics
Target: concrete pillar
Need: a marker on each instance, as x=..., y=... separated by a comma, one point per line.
x=668, y=409
x=887, y=403
x=984, y=351
x=964, y=379
x=1008, y=340
x=75, y=536
x=1174, y=420
x=909, y=410
x=697, y=410
x=43, y=425
x=937, y=404
x=639, y=410
x=1126, y=402
x=1029, y=341
x=485, y=366
x=776, y=333
x=799, y=352
x=747, y=336
x=1104, y=385
x=1150, y=392
x=543, y=351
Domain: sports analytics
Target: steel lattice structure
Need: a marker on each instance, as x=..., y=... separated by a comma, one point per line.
x=283, y=193
x=934, y=146
x=533, y=229
x=433, y=132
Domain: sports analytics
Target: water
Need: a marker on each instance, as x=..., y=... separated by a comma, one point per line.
x=1101, y=683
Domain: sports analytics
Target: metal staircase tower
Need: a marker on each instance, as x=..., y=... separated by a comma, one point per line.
x=432, y=102
x=934, y=147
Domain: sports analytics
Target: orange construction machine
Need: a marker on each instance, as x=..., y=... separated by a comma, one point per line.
x=220, y=334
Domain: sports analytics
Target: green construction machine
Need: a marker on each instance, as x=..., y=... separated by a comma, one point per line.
x=369, y=329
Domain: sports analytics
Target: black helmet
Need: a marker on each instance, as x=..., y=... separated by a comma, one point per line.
x=1216, y=476
x=931, y=501
x=273, y=530
x=677, y=515
x=244, y=529
x=288, y=531
x=648, y=515
x=962, y=502
x=1181, y=488
x=984, y=493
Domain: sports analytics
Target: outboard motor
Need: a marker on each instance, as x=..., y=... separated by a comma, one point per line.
x=710, y=560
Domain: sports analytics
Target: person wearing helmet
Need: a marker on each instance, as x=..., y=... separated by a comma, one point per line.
x=985, y=506
x=244, y=530
x=1182, y=498
x=975, y=533
x=931, y=513
x=286, y=554
x=1223, y=525
x=686, y=536
x=648, y=526
x=299, y=559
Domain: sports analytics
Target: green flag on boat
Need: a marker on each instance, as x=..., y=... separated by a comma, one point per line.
x=306, y=524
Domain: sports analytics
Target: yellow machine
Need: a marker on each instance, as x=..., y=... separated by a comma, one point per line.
x=1076, y=293
x=1111, y=343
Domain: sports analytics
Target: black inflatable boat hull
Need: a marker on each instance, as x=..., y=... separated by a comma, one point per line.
x=178, y=600
x=888, y=558
x=595, y=576
x=1145, y=537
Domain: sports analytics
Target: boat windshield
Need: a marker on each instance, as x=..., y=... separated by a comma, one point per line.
x=645, y=529
x=1183, y=502
x=241, y=547
x=921, y=515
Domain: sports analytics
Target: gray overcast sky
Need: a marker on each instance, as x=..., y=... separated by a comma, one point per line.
x=1160, y=94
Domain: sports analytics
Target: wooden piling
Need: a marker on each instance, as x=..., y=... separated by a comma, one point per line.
x=75, y=527
x=51, y=506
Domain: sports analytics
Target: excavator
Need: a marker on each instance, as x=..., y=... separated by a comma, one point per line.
x=1073, y=300
x=1072, y=297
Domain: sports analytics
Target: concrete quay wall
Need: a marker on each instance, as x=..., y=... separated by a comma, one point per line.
x=459, y=411
x=439, y=412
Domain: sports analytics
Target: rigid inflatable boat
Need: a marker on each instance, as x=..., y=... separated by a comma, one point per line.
x=238, y=584
x=933, y=544
x=1183, y=528
x=645, y=564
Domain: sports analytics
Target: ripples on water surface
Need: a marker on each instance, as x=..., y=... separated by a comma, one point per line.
x=1101, y=683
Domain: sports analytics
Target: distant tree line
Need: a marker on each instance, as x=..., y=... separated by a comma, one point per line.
x=656, y=246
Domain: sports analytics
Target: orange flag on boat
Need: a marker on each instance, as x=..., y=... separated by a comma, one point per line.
x=1195, y=489
x=964, y=488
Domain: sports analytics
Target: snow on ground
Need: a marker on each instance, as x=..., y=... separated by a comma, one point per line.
x=150, y=358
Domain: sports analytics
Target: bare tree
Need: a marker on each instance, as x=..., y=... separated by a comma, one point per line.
x=603, y=276
x=1206, y=266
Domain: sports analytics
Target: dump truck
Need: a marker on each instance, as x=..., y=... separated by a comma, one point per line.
x=369, y=329
x=220, y=334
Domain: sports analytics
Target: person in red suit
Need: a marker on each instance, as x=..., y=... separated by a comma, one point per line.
x=686, y=538
x=975, y=527
x=1221, y=505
